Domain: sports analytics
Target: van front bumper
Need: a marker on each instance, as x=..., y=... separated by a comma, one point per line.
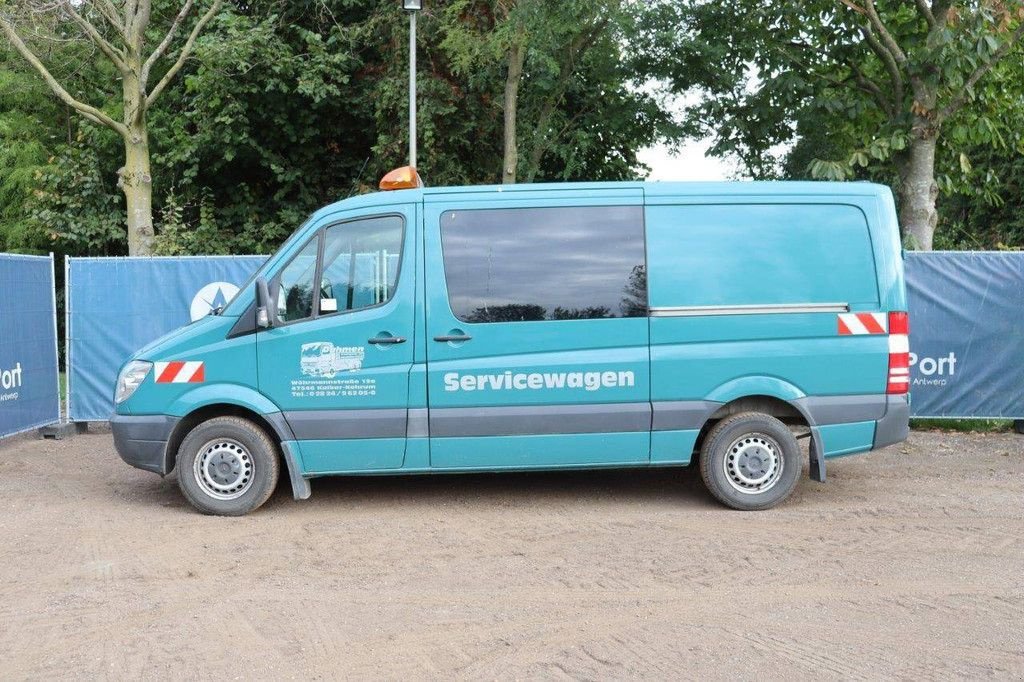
x=141, y=440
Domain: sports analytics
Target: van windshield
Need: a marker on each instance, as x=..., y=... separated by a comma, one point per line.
x=262, y=269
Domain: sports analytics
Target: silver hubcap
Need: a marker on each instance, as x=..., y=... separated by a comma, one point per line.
x=753, y=463
x=224, y=469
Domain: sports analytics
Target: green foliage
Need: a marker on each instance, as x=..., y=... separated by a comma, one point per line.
x=77, y=205
x=286, y=106
x=23, y=156
x=57, y=185
x=796, y=90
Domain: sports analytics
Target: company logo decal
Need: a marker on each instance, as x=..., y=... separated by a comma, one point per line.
x=855, y=324
x=10, y=379
x=324, y=359
x=321, y=361
x=214, y=295
x=535, y=381
x=177, y=372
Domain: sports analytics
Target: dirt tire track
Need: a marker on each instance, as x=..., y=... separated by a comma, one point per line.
x=906, y=564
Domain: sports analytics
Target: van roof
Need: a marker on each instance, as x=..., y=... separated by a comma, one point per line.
x=650, y=189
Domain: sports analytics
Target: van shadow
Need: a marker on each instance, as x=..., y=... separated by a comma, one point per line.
x=662, y=486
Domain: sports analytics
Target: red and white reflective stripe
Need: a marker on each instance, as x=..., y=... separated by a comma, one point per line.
x=861, y=323
x=898, y=381
x=176, y=372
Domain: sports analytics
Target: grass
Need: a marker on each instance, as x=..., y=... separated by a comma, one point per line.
x=963, y=425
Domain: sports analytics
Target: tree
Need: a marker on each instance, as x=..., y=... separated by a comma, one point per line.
x=283, y=107
x=896, y=78
x=120, y=34
x=552, y=59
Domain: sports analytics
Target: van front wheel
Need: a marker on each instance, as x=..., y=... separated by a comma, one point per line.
x=750, y=461
x=227, y=466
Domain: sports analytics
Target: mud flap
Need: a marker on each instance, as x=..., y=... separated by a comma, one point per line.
x=300, y=485
x=817, y=457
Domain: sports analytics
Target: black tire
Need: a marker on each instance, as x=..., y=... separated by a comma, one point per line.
x=248, y=460
x=764, y=459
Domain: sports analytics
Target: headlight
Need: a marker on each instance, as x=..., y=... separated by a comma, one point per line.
x=130, y=379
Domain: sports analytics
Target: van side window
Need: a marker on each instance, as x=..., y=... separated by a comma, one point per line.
x=791, y=253
x=361, y=260
x=295, y=288
x=560, y=263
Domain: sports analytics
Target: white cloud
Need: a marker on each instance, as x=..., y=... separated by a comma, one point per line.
x=688, y=163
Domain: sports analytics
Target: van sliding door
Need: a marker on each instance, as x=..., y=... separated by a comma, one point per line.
x=537, y=335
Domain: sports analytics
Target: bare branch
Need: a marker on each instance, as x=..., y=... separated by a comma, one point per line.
x=890, y=43
x=110, y=13
x=89, y=112
x=895, y=75
x=980, y=72
x=112, y=53
x=926, y=11
x=161, y=49
x=140, y=22
x=130, y=7
x=854, y=6
x=940, y=10
x=869, y=86
x=186, y=50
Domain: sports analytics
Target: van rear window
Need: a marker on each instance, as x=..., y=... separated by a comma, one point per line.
x=560, y=263
x=750, y=254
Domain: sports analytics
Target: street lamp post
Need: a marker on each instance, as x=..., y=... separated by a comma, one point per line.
x=412, y=7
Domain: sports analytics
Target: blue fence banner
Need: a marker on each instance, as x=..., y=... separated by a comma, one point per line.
x=966, y=328
x=29, y=389
x=117, y=305
x=966, y=334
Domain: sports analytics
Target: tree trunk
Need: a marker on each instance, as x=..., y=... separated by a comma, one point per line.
x=516, y=57
x=135, y=178
x=137, y=184
x=918, y=191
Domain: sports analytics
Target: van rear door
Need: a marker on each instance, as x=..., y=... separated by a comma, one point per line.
x=537, y=335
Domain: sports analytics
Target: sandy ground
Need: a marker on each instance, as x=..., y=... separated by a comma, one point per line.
x=907, y=563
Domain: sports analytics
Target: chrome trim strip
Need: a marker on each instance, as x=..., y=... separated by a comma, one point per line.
x=770, y=309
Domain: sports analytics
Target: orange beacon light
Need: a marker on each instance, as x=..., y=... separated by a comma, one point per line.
x=405, y=177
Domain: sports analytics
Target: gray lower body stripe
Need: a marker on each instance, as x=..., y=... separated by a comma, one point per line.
x=682, y=415
x=417, y=427
x=343, y=424
x=539, y=420
x=523, y=420
x=843, y=409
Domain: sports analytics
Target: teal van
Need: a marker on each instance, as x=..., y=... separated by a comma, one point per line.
x=562, y=326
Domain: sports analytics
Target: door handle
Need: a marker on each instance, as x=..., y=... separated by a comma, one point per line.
x=387, y=339
x=453, y=337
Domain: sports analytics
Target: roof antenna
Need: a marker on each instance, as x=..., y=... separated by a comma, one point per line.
x=355, y=183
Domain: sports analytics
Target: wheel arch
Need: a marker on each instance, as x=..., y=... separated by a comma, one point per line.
x=277, y=429
x=771, y=396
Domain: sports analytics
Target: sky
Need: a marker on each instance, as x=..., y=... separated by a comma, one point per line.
x=689, y=163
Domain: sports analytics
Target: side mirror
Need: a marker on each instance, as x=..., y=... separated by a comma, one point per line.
x=264, y=320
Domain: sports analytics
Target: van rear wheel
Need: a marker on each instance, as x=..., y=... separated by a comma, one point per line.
x=750, y=461
x=227, y=466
